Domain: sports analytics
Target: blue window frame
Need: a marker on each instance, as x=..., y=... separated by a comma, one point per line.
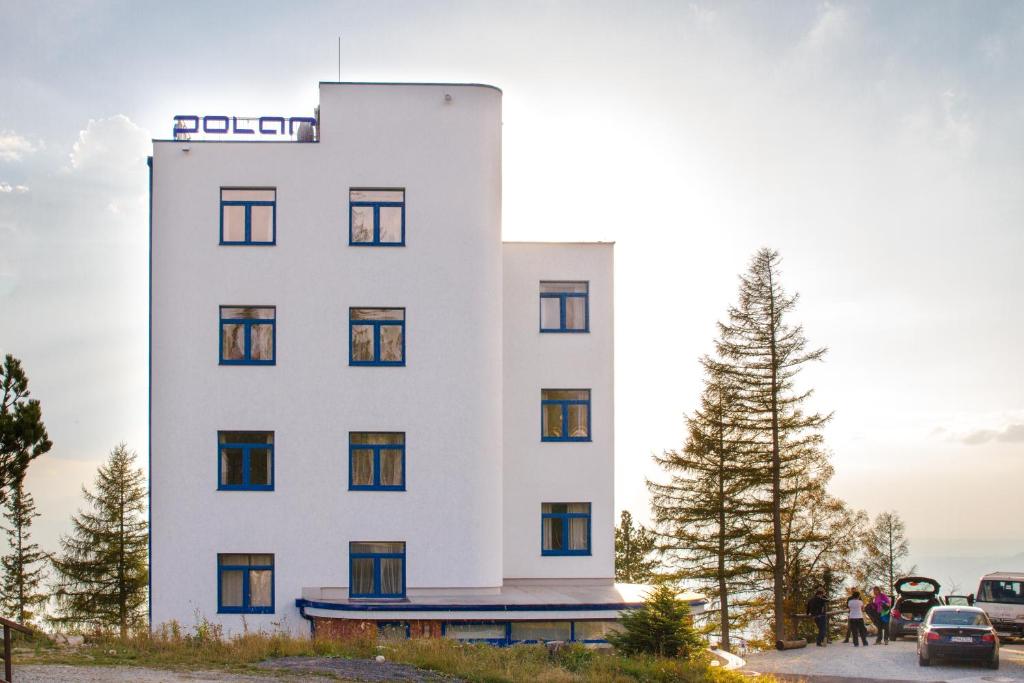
x=565, y=529
x=248, y=216
x=565, y=415
x=564, y=306
x=376, y=217
x=376, y=336
x=493, y=632
x=245, y=461
x=248, y=335
x=504, y=633
x=245, y=583
x=376, y=569
x=376, y=461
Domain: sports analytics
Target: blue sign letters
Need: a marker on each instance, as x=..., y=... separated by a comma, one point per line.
x=186, y=124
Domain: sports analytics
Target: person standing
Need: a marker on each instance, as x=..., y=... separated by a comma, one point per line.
x=856, y=619
x=817, y=607
x=881, y=604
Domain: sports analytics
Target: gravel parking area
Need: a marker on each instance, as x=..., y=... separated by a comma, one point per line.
x=60, y=673
x=839, y=663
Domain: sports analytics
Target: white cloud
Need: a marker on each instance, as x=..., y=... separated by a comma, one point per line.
x=14, y=147
x=113, y=148
x=7, y=188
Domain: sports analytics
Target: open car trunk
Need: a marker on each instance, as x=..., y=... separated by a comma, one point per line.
x=914, y=609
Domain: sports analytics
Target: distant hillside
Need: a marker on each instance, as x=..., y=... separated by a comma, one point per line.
x=958, y=564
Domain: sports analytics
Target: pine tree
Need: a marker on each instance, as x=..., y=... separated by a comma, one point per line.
x=634, y=546
x=702, y=513
x=25, y=564
x=761, y=354
x=22, y=433
x=101, y=571
x=885, y=550
x=662, y=626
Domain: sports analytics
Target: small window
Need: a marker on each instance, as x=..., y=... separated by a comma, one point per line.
x=481, y=632
x=393, y=630
x=594, y=631
x=376, y=336
x=246, y=461
x=541, y=631
x=565, y=528
x=376, y=570
x=564, y=307
x=247, y=335
x=245, y=584
x=376, y=218
x=565, y=414
x=248, y=216
x=376, y=461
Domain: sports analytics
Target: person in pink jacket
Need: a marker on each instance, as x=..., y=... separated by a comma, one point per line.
x=880, y=603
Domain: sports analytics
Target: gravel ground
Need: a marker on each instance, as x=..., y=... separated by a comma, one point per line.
x=356, y=669
x=292, y=669
x=60, y=673
x=894, y=662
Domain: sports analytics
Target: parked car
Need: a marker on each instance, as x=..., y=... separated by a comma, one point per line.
x=915, y=595
x=957, y=633
x=1001, y=595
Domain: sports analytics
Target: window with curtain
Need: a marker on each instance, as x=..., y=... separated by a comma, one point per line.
x=376, y=569
x=376, y=461
x=493, y=632
x=376, y=336
x=248, y=216
x=565, y=528
x=564, y=306
x=565, y=414
x=245, y=584
x=376, y=217
x=246, y=461
x=541, y=631
x=248, y=335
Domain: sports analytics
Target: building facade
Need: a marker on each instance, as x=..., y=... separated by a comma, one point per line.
x=366, y=411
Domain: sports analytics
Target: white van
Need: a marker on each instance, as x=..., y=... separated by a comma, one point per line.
x=1001, y=595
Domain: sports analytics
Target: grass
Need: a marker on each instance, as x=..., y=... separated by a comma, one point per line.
x=205, y=647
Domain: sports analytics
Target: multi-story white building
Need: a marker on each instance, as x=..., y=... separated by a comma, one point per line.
x=366, y=410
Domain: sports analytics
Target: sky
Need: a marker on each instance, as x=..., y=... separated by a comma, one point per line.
x=878, y=146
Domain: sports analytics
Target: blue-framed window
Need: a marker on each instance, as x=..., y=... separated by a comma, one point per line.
x=248, y=335
x=565, y=415
x=376, y=569
x=564, y=306
x=248, y=216
x=376, y=336
x=565, y=528
x=245, y=461
x=376, y=461
x=376, y=217
x=245, y=584
x=504, y=633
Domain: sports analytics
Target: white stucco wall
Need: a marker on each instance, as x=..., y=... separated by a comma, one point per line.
x=537, y=472
x=447, y=399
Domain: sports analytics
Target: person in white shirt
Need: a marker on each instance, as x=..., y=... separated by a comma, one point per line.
x=856, y=618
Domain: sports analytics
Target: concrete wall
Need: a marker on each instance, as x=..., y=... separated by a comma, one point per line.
x=447, y=399
x=536, y=472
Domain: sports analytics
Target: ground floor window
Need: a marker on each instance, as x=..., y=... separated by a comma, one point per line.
x=377, y=570
x=245, y=584
x=511, y=632
x=393, y=630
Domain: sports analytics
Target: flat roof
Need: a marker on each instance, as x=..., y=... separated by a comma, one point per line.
x=446, y=85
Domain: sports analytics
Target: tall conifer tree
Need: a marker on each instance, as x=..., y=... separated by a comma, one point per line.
x=102, y=571
x=634, y=545
x=885, y=550
x=25, y=564
x=761, y=353
x=703, y=511
x=22, y=433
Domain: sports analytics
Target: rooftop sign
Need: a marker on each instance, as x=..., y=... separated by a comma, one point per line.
x=187, y=125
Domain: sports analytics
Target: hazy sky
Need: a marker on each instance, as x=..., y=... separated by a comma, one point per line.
x=878, y=146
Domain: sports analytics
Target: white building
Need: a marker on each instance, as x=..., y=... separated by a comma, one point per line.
x=366, y=410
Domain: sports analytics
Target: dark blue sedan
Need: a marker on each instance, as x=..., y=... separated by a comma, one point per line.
x=957, y=633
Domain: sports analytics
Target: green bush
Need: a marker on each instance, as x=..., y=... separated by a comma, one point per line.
x=662, y=627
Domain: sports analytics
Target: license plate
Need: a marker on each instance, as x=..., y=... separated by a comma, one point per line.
x=961, y=639
x=912, y=625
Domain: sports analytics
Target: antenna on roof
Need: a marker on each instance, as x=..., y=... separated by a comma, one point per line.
x=339, y=59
